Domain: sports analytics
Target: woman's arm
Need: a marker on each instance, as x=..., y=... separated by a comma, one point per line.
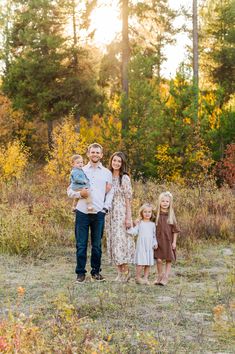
x=128, y=221
x=126, y=184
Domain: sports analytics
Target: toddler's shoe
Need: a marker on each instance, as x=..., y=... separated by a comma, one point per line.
x=91, y=210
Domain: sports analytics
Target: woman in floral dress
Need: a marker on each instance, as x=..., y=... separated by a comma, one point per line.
x=120, y=245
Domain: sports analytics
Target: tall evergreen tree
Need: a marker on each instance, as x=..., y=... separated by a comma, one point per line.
x=218, y=42
x=41, y=78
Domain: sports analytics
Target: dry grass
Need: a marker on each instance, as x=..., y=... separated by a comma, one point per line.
x=36, y=216
x=44, y=311
x=193, y=314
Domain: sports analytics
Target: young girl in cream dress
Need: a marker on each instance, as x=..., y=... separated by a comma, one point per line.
x=146, y=243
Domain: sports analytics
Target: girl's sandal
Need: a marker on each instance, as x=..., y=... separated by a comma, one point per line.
x=118, y=278
x=126, y=277
x=158, y=280
x=164, y=281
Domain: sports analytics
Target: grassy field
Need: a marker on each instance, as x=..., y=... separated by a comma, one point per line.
x=43, y=310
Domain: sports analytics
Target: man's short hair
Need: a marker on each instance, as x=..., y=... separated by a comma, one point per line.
x=96, y=146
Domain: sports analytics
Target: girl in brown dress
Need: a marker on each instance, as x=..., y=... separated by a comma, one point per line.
x=167, y=231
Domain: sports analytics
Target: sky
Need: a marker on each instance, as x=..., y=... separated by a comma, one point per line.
x=177, y=53
x=106, y=21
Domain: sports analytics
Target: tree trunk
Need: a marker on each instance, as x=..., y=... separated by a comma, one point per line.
x=125, y=47
x=49, y=134
x=74, y=34
x=195, y=58
x=125, y=62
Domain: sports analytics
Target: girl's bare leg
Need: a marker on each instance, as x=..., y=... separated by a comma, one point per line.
x=168, y=268
x=164, y=280
x=146, y=274
x=159, y=271
x=138, y=274
x=119, y=275
x=125, y=273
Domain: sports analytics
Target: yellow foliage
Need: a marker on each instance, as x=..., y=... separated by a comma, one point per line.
x=169, y=166
x=13, y=160
x=69, y=138
x=11, y=121
x=209, y=104
x=193, y=165
x=187, y=120
x=66, y=142
x=103, y=130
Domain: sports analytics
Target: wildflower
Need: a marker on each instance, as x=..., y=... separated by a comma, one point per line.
x=21, y=291
x=3, y=344
x=218, y=310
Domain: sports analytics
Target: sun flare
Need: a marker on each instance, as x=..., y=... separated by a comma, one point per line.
x=105, y=20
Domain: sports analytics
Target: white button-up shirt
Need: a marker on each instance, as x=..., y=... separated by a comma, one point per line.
x=98, y=176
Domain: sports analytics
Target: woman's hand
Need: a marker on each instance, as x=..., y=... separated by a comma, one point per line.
x=128, y=223
x=155, y=246
x=174, y=245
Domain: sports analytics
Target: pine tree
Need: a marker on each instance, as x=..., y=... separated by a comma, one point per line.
x=218, y=42
x=42, y=78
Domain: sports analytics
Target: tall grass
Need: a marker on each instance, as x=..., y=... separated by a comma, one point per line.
x=203, y=212
x=35, y=216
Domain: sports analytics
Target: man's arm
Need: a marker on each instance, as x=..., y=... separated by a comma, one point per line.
x=81, y=194
x=108, y=199
x=109, y=195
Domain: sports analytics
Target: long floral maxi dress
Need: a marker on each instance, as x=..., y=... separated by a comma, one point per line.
x=120, y=245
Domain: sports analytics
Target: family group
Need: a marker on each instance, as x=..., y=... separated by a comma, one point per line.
x=102, y=200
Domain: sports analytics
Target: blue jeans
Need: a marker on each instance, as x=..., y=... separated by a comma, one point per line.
x=84, y=222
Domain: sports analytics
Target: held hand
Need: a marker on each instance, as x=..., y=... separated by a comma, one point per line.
x=155, y=246
x=84, y=193
x=174, y=245
x=128, y=223
x=137, y=221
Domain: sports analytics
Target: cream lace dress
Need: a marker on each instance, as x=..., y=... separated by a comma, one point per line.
x=120, y=245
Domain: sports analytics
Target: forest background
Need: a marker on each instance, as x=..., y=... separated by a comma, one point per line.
x=179, y=129
x=59, y=92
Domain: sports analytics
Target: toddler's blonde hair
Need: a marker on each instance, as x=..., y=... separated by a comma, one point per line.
x=171, y=214
x=75, y=157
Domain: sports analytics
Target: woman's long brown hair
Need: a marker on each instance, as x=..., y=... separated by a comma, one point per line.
x=123, y=169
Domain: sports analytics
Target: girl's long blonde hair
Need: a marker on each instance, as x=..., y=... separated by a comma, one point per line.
x=171, y=215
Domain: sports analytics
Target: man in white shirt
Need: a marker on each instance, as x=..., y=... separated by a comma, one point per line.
x=99, y=177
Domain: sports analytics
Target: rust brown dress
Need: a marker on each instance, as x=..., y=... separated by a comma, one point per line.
x=165, y=233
